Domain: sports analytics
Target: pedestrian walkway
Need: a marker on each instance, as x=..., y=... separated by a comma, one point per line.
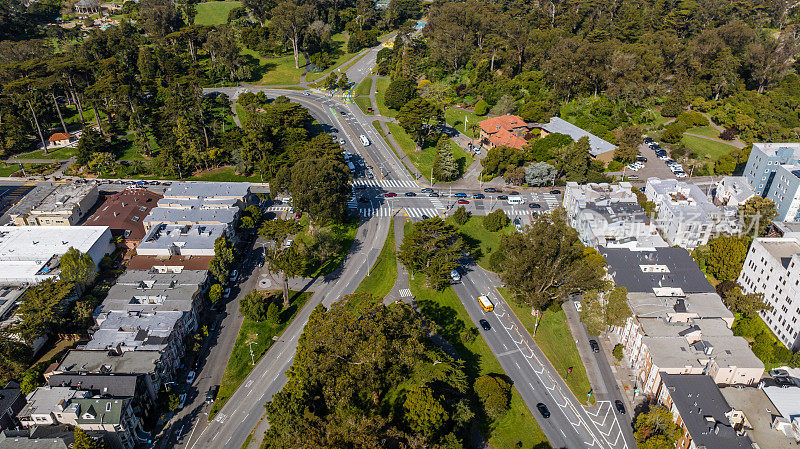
x=383, y=211
x=386, y=183
x=279, y=208
x=418, y=212
x=405, y=293
x=437, y=203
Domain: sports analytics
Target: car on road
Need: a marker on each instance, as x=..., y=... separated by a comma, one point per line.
x=370, y=175
x=410, y=194
x=455, y=275
x=514, y=192
x=485, y=325
x=462, y=201
x=306, y=94
x=341, y=142
x=543, y=410
x=182, y=401
x=390, y=194
x=211, y=394
x=555, y=192
x=620, y=407
x=190, y=377
x=364, y=140
x=433, y=195
x=234, y=275
x=502, y=197
x=343, y=112
x=534, y=206
x=490, y=190
x=593, y=344
x=425, y=217
x=460, y=195
x=426, y=190
x=363, y=200
x=641, y=159
x=227, y=293
x=680, y=174
x=478, y=196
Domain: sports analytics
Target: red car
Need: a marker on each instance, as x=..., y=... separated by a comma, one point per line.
x=389, y=194
x=463, y=202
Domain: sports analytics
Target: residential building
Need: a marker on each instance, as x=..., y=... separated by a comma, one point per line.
x=683, y=309
x=772, y=268
x=165, y=240
x=733, y=191
x=43, y=402
x=598, y=148
x=686, y=217
x=30, y=254
x=109, y=417
x=784, y=229
x=11, y=402
x=663, y=272
x=702, y=412
x=504, y=131
x=750, y=417
x=168, y=264
x=785, y=192
x=116, y=363
x=205, y=203
x=787, y=408
x=38, y=437
x=124, y=213
x=64, y=206
x=609, y=215
x=61, y=139
x=764, y=160
x=19, y=211
x=209, y=192
x=120, y=386
x=653, y=346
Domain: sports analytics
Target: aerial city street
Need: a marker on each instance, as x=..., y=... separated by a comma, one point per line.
x=399, y=224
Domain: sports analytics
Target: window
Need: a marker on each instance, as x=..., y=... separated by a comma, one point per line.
x=142, y=208
x=134, y=219
x=108, y=406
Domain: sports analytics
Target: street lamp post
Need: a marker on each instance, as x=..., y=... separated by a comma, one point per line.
x=252, y=358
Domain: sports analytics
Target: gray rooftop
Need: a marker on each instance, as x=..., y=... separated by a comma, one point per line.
x=700, y=305
x=116, y=385
x=781, y=249
x=208, y=190
x=754, y=403
x=683, y=199
x=649, y=270
x=779, y=149
x=31, y=199
x=38, y=437
x=134, y=331
x=64, y=197
x=180, y=239
x=702, y=408
x=597, y=145
x=44, y=400
x=192, y=215
x=84, y=361
x=148, y=291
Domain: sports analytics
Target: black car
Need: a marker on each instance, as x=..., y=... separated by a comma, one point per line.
x=343, y=112
x=534, y=205
x=593, y=344
x=363, y=200
x=555, y=192
x=411, y=194
x=620, y=407
x=485, y=325
x=543, y=410
x=478, y=196
x=490, y=190
x=502, y=197
x=514, y=192
x=433, y=195
x=425, y=217
x=648, y=140
x=211, y=395
x=426, y=190
x=641, y=159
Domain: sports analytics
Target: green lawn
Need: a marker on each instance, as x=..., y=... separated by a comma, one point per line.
x=555, y=340
x=380, y=94
x=6, y=170
x=223, y=174
x=423, y=159
x=456, y=117
x=476, y=236
x=59, y=153
x=214, y=13
x=364, y=103
x=705, y=148
x=707, y=131
x=383, y=274
x=131, y=152
x=517, y=428
x=364, y=87
x=277, y=70
x=260, y=333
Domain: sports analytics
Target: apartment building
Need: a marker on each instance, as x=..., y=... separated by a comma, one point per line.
x=663, y=272
x=165, y=240
x=112, y=418
x=124, y=212
x=65, y=205
x=733, y=191
x=763, y=163
x=686, y=216
x=44, y=402
x=11, y=402
x=786, y=416
x=750, y=416
x=701, y=411
x=200, y=203
x=772, y=268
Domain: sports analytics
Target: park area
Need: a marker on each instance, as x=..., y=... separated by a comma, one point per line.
x=423, y=159
x=214, y=13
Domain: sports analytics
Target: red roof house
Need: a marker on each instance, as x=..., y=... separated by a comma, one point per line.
x=124, y=213
x=505, y=130
x=60, y=138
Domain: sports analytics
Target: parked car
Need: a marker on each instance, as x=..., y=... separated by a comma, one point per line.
x=462, y=201
x=234, y=275
x=641, y=159
x=502, y=197
x=620, y=407
x=555, y=192
x=485, y=325
x=543, y=410
x=182, y=401
x=593, y=344
x=227, y=293
x=211, y=394
x=534, y=206
x=633, y=176
x=460, y=195
x=490, y=190
x=426, y=190
x=411, y=194
x=478, y=196
x=433, y=195
x=390, y=194
x=680, y=174
x=341, y=142
x=455, y=275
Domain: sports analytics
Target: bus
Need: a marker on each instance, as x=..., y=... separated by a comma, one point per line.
x=364, y=140
x=486, y=304
x=515, y=199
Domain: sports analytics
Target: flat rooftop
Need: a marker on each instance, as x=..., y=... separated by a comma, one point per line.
x=192, y=215
x=754, y=403
x=31, y=199
x=781, y=249
x=146, y=291
x=141, y=262
x=656, y=270
x=181, y=237
x=130, y=362
x=124, y=212
x=701, y=305
x=64, y=197
x=188, y=189
x=134, y=331
x=43, y=400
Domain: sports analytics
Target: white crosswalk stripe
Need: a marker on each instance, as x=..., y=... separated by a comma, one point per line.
x=419, y=212
x=371, y=212
x=437, y=204
x=405, y=293
x=278, y=208
x=395, y=183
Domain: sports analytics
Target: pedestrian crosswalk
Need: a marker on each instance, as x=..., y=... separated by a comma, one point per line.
x=278, y=208
x=386, y=183
x=373, y=212
x=437, y=204
x=418, y=212
x=405, y=293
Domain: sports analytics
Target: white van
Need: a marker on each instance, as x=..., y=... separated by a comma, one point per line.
x=515, y=199
x=364, y=140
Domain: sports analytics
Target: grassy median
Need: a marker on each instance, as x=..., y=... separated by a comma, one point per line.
x=383, y=274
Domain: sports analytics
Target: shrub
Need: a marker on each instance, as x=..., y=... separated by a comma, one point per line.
x=496, y=221
x=728, y=134
x=399, y=92
x=481, y=107
x=617, y=352
x=693, y=119
x=494, y=392
x=461, y=216
x=673, y=106
x=674, y=132
x=614, y=166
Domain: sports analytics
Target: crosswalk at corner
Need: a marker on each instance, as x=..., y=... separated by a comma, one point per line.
x=416, y=212
x=386, y=183
x=405, y=293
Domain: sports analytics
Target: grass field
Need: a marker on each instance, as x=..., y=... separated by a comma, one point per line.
x=260, y=333
x=214, y=13
x=423, y=160
x=517, y=428
x=383, y=274
x=706, y=148
x=477, y=236
x=364, y=87
x=277, y=70
x=364, y=103
x=555, y=340
x=456, y=117
x=58, y=153
x=707, y=131
x=6, y=170
x=342, y=233
x=380, y=97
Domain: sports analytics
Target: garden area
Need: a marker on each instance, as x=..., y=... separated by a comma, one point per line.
x=480, y=241
x=424, y=159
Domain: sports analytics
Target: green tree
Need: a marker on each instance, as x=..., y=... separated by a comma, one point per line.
x=461, y=216
x=91, y=142
x=321, y=188
x=656, y=429
x=273, y=313
x=419, y=117
x=279, y=229
x=445, y=167
x=494, y=392
x=77, y=268
x=725, y=257
x=222, y=262
x=215, y=293
x=617, y=352
x=432, y=248
x=481, y=107
x=496, y=220
x=254, y=306
x=747, y=304
x=14, y=357
x=42, y=309
x=725, y=165
x=548, y=261
x=288, y=263
x=600, y=310
x=572, y=161
x=290, y=19
x=400, y=92
x=424, y=412
x=84, y=441
x=756, y=215
x=540, y=174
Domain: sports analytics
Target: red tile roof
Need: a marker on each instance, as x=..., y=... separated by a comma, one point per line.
x=59, y=136
x=125, y=211
x=502, y=130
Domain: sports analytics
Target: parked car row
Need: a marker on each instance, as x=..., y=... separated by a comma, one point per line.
x=661, y=153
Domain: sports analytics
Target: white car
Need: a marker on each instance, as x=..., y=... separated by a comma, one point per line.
x=633, y=167
x=341, y=142
x=364, y=140
x=680, y=175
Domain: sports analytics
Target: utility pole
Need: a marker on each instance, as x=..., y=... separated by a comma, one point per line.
x=252, y=358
